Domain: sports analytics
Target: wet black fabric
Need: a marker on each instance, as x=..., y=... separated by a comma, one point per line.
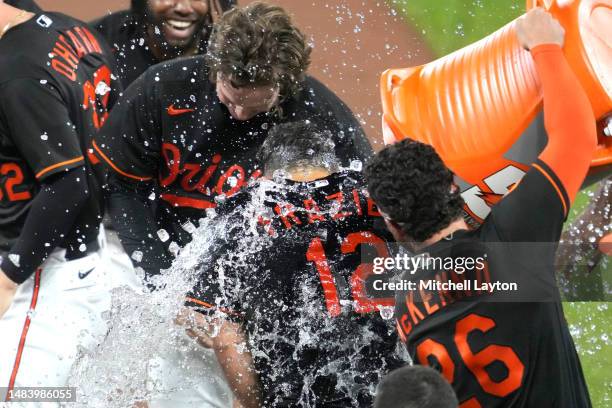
x=291, y=271
x=126, y=35
x=54, y=95
x=125, y=32
x=170, y=132
x=131, y=202
x=503, y=348
x=51, y=216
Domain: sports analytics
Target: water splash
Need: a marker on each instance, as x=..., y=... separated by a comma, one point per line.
x=141, y=327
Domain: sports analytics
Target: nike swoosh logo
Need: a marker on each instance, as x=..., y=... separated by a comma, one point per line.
x=172, y=111
x=83, y=275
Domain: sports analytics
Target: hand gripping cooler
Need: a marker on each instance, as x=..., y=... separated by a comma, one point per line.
x=476, y=104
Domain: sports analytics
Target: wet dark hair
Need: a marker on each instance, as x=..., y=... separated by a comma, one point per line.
x=259, y=45
x=297, y=144
x=410, y=183
x=415, y=387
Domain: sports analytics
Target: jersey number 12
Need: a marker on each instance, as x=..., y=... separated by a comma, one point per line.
x=362, y=303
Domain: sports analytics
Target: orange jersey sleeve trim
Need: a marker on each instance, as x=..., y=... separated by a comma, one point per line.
x=200, y=302
x=114, y=167
x=556, y=187
x=58, y=165
x=209, y=306
x=568, y=118
x=178, y=201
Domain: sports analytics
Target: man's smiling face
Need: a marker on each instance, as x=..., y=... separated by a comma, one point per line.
x=179, y=21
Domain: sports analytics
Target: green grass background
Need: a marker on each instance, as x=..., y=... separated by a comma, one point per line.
x=448, y=25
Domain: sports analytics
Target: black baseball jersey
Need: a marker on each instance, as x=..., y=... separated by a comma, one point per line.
x=55, y=88
x=498, y=335
x=126, y=35
x=125, y=32
x=170, y=128
x=301, y=284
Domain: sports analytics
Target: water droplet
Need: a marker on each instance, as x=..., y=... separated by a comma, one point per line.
x=356, y=165
x=14, y=258
x=163, y=235
x=137, y=256
x=189, y=227
x=174, y=248
x=386, y=312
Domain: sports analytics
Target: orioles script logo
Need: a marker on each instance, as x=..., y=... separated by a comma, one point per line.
x=205, y=178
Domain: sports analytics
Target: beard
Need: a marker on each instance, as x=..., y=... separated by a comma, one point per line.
x=169, y=47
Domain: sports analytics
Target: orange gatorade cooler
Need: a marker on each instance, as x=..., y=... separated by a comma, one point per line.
x=478, y=105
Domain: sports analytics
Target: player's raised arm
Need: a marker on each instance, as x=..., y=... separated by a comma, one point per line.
x=568, y=116
x=536, y=209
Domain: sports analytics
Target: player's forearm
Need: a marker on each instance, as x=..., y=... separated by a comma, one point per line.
x=568, y=117
x=52, y=214
x=237, y=364
x=134, y=221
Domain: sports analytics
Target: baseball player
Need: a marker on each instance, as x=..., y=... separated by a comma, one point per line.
x=184, y=136
x=56, y=86
x=298, y=289
x=152, y=31
x=491, y=321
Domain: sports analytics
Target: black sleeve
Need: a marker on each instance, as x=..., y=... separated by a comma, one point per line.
x=44, y=134
x=52, y=214
x=351, y=141
x=133, y=218
x=217, y=288
x=28, y=5
x=129, y=142
x=220, y=286
x=535, y=210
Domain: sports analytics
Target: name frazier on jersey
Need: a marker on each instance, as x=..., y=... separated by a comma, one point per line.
x=358, y=200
